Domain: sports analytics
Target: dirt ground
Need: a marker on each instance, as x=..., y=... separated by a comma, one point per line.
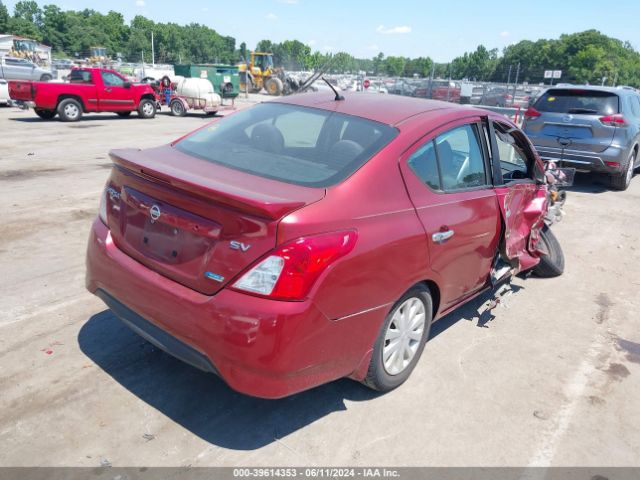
x=551, y=376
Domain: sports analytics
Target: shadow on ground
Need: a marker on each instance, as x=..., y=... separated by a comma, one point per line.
x=588, y=183
x=201, y=402
x=85, y=117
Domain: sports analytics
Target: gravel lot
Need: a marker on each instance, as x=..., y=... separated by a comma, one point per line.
x=551, y=376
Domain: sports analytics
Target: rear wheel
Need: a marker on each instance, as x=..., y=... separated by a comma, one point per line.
x=147, y=108
x=177, y=108
x=552, y=262
x=123, y=114
x=401, y=340
x=70, y=110
x=45, y=78
x=45, y=114
x=622, y=180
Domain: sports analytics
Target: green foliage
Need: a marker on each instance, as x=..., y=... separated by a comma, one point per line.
x=4, y=18
x=583, y=57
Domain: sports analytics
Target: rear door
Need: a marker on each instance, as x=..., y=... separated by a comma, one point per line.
x=574, y=119
x=112, y=95
x=449, y=184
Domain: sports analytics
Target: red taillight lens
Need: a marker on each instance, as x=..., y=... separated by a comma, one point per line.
x=612, y=164
x=290, y=271
x=616, y=120
x=532, y=113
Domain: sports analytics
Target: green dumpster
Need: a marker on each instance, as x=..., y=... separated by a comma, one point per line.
x=224, y=78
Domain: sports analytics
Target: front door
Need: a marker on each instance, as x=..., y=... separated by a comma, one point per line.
x=522, y=199
x=113, y=96
x=448, y=180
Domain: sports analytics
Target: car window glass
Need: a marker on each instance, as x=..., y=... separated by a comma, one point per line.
x=80, y=76
x=300, y=128
x=266, y=140
x=635, y=106
x=578, y=101
x=513, y=159
x=460, y=158
x=111, y=79
x=424, y=164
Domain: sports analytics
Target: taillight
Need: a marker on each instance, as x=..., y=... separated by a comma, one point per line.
x=616, y=120
x=532, y=113
x=291, y=270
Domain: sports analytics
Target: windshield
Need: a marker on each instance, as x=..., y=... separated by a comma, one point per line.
x=292, y=144
x=590, y=102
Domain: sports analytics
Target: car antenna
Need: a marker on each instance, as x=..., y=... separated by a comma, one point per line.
x=338, y=96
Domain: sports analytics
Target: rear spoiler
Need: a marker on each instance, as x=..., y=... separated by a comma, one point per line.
x=267, y=205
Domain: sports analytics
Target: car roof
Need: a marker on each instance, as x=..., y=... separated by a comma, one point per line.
x=382, y=108
x=594, y=88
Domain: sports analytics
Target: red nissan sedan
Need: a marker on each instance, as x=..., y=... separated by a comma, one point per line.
x=308, y=239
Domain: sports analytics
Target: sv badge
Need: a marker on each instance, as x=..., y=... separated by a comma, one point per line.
x=235, y=245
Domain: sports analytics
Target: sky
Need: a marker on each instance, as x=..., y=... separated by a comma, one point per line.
x=441, y=30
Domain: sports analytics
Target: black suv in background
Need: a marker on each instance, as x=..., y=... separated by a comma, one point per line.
x=594, y=129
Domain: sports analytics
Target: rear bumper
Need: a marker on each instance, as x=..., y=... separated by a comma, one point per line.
x=260, y=347
x=586, y=161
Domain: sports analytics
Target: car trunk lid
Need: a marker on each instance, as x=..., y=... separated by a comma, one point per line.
x=195, y=222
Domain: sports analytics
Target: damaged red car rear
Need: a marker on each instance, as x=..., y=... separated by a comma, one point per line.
x=309, y=239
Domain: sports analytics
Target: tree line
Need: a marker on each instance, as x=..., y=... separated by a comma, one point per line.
x=584, y=57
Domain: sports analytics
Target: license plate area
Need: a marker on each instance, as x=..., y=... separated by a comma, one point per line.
x=164, y=233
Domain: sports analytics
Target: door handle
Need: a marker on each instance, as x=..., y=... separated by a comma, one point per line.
x=107, y=89
x=441, y=237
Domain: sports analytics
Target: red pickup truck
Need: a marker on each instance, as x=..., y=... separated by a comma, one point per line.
x=87, y=90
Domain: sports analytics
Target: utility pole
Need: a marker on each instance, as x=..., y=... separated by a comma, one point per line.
x=433, y=72
x=143, y=75
x=515, y=85
x=153, y=51
x=509, y=77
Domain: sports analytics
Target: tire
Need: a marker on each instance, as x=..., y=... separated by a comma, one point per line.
x=273, y=86
x=622, y=180
x=46, y=77
x=177, y=108
x=552, y=263
x=45, y=114
x=385, y=376
x=70, y=110
x=123, y=114
x=147, y=108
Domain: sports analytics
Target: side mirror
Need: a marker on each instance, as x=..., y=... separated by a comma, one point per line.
x=126, y=84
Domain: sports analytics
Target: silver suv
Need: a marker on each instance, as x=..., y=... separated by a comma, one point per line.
x=594, y=129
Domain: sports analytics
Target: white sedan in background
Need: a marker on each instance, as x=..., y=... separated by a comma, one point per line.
x=4, y=92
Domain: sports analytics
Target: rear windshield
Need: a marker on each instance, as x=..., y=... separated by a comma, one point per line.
x=589, y=102
x=303, y=146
